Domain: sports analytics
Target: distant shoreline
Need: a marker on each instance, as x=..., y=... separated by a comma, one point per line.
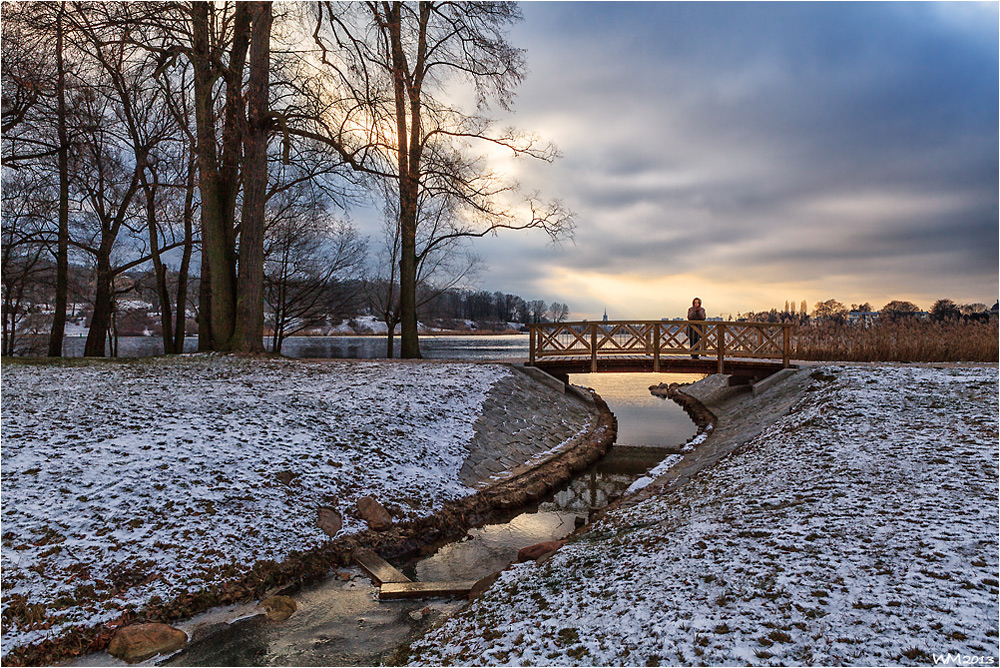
x=449, y=332
x=340, y=335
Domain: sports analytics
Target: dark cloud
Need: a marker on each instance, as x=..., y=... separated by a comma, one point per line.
x=773, y=139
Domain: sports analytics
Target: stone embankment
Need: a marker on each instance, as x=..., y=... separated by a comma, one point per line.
x=522, y=421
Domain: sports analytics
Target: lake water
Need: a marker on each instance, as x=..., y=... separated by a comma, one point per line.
x=498, y=347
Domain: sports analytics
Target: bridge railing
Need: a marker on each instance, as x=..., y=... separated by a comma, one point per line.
x=660, y=339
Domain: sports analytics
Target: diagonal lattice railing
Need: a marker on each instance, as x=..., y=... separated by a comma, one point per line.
x=660, y=339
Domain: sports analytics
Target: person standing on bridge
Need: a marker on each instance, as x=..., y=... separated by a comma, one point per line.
x=696, y=312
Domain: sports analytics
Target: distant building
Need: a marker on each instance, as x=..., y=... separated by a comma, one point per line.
x=605, y=315
x=865, y=318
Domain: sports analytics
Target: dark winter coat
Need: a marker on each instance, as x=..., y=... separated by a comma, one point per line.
x=696, y=313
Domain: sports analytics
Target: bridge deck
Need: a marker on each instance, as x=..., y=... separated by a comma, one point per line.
x=561, y=366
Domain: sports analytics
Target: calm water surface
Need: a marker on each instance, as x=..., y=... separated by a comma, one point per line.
x=496, y=347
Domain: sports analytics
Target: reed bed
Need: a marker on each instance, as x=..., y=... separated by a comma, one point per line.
x=899, y=341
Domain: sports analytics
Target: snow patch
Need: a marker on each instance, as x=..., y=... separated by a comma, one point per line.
x=152, y=478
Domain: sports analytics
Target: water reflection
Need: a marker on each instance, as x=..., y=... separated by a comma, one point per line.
x=642, y=418
x=486, y=347
x=491, y=548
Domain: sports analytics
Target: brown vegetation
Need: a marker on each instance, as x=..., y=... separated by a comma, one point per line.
x=907, y=340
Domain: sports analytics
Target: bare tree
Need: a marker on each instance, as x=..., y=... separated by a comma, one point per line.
x=944, y=310
x=108, y=185
x=28, y=202
x=558, y=312
x=898, y=309
x=313, y=265
x=235, y=79
x=58, y=330
x=35, y=118
x=248, y=334
x=536, y=311
x=399, y=61
x=831, y=309
x=151, y=129
x=442, y=265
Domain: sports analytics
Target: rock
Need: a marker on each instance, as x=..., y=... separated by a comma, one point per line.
x=285, y=477
x=139, y=642
x=279, y=608
x=329, y=520
x=372, y=512
x=533, y=552
x=483, y=584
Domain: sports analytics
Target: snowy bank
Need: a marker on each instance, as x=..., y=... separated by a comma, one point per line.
x=132, y=483
x=860, y=529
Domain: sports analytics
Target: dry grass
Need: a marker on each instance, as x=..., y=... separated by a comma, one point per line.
x=902, y=341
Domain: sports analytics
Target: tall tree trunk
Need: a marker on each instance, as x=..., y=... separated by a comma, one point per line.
x=390, y=337
x=58, y=330
x=9, y=323
x=113, y=329
x=249, y=332
x=409, y=345
x=159, y=270
x=103, y=303
x=204, y=306
x=276, y=335
x=217, y=251
x=185, y=268
x=408, y=189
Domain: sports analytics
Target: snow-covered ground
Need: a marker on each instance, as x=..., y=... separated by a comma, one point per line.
x=126, y=481
x=861, y=529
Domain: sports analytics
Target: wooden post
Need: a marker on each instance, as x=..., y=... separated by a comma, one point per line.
x=786, y=345
x=531, y=344
x=720, y=335
x=593, y=348
x=656, y=347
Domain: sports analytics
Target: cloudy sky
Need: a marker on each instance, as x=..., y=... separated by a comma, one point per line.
x=754, y=153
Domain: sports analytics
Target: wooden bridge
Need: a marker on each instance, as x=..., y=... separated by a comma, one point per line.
x=748, y=351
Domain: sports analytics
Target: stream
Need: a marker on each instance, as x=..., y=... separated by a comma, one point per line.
x=340, y=622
